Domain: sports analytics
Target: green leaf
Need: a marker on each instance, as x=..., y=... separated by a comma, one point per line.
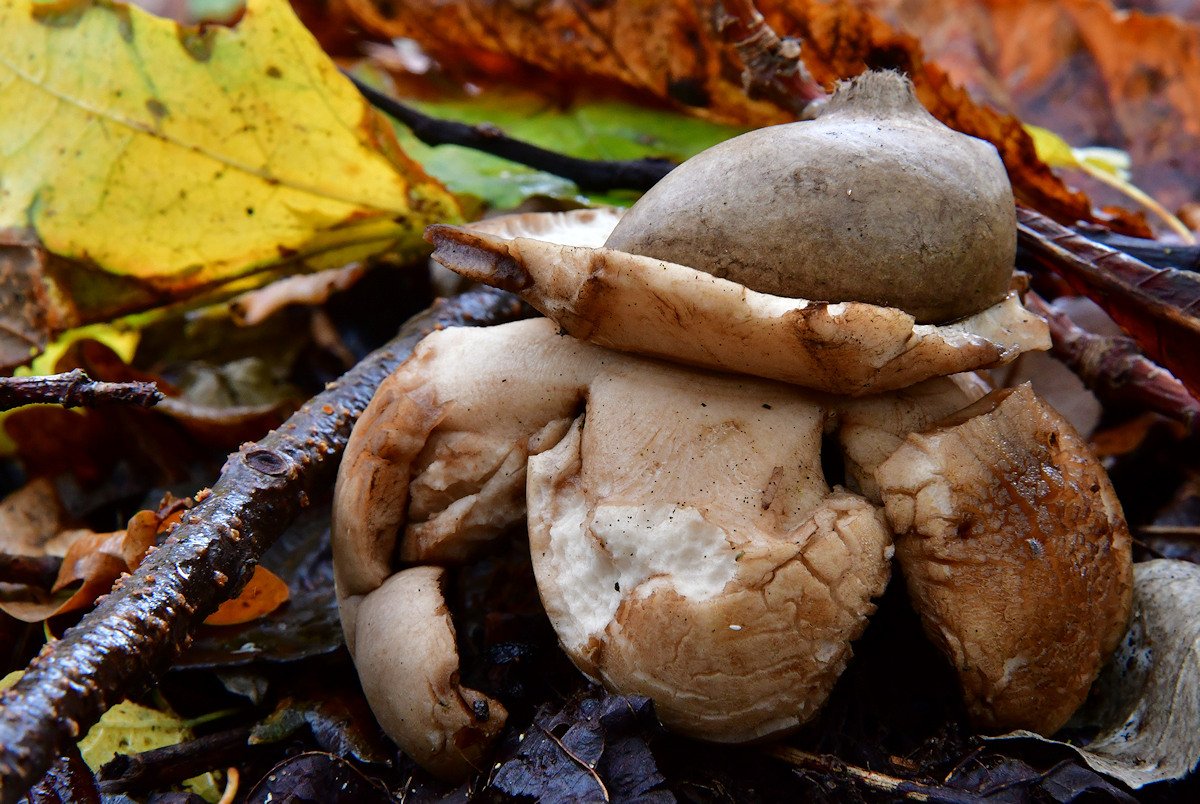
x=589, y=129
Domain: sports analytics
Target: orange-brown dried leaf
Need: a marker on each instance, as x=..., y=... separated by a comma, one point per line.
x=674, y=51
x=841, y=40
x=1092, y=73
x=96, y=560
x=1128, y=436
x=30, y=518
x=265, y=592
x=30, y=314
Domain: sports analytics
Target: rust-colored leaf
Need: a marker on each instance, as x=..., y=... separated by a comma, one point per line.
x=96, y=560
x=1130, y=435
x=265, y=593
x=29, y=314
x=30, y=518
x=1094, y=74
x=674, y=51
x=1158, y=307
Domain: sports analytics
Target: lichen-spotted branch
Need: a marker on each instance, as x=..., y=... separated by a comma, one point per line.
x=75, y=389
x=145, y=622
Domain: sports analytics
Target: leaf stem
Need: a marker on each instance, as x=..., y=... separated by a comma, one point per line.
x=1137, y=194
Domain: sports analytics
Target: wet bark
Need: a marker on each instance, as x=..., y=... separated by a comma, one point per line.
x=148, y=619
x=75, y=389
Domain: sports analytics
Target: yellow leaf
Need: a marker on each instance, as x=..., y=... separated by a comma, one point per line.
x=183, y=158
x=130, y=728
x=1107, y=165
x=1051, y=148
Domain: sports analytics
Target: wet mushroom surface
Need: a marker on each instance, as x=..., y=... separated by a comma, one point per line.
x=661, y=433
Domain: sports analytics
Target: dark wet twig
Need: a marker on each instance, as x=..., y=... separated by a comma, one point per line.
x=1115, y=369
x=75, y=389
x=590, y=174
x=39, y=571
x=771, y=65
x=832, y=767
x=1151, y=252
x=149, y=618
x=161, y=768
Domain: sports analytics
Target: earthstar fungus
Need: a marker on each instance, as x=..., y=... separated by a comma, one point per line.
x=666, y=454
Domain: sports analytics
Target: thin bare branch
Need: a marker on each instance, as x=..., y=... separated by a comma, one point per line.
x=162, y=767
x=892, y=785
x=1115, y=369
x=75, y=389
x=771, y=65
x=590, y=174
x=149, y=618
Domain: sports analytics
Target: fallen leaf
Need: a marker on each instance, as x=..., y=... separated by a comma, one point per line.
x=93, y=560
x=674, y=52
x=1146, y=702
x=341, y=722
x=588, y=129
x=195, y=157
x=1157, y=307
x=307, y=626
x=33, y=523
x=96, y=560
x=262, y=595
x=317, y=776
x=1108, y=166
x=29, y=315
x=1083, y=67
x=227, y=405
x=593, y=749
x=30, y=517
x=1129, y=435
x=130, y=728
x=1096, y=72
x=69, y=781
x=1006, y=779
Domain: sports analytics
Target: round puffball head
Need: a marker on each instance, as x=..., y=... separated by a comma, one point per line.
x=874, y=201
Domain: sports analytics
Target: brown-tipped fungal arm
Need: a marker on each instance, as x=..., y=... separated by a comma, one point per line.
x=1016, y=556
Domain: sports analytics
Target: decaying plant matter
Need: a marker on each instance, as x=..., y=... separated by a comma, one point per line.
x=686, y=543
x=140, y=627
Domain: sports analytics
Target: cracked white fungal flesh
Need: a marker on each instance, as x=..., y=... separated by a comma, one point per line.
x=735, y=579
x=871, y=428
x=438, y=457
x=688, y=549
x=1016, y=556
x=660, y=309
